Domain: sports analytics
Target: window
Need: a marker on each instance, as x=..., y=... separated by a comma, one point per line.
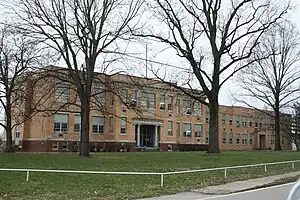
x=178, y=105
x=55, y=146
x=256, y=124
x=111, y=124
x=62, y=93
x=251, y=139
x=224, y=119
x=112, y=99
x=250, y=124
x=178, y=129
x=230, y=119
x=99, y=96
x=207, y=138
x=98, y=125
x=238, y=121
x=17, y=132
x=162, y=102
x=224, y=138
x=148, y=100
x=187, y=129
x=187, y=106
x=77, y=123
x=170, y=128
x=124, y=95
x=60, y=123
x=245, y=139
x=282, y=140
x=123, y=125
x=133, y=102
x=64, y=146
x=238, y=138
x=230, y=138
x=170, y=103
x=198, y=108
x=198, y=130
x=207, y=118
x=272, y=139
x=260, y=125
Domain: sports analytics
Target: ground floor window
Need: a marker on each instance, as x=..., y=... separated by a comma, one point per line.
x=60, y=123
x=238, y=138
x=230, y=138
x=245, y=139
x=187, y=129
x=98, y=125
x=198, y=130
x=251, y=139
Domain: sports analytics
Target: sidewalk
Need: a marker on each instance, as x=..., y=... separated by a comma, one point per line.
x=225, y=189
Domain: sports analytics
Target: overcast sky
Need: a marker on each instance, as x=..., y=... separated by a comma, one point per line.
x=157, y=52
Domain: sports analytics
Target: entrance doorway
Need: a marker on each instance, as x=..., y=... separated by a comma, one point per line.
x=147, y=135
x=262, y=141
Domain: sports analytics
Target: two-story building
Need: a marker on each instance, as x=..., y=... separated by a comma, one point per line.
x=130, y=113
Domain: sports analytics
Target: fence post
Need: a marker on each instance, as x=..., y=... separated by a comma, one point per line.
x=27, y=176
x=265, y=168
x=225, y=173
x=161, y=180
x=293, y=165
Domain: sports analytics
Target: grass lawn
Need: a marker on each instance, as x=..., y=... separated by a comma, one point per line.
x=82, y=186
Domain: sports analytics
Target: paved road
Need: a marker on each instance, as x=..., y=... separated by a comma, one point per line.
x=279, y=192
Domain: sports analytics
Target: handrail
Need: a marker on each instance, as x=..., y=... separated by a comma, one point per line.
x=161, y=174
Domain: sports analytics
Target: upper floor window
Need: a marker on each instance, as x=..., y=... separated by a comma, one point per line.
x=62, y=93
x=99, y=96
x=61, y=123
x=162, y=102
x=198, y=108
x=170, y=103
x=148, y=100
x=223, y=118
x=124, y=96
x=187, y=107
x=133, y=102
x=230, y=119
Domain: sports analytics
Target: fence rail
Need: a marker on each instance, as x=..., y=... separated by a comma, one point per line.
x=161, y=174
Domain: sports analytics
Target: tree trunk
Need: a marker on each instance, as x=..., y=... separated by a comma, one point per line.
x=85, y=127
x=277, y=128
x=9, y=144
x=213, y=146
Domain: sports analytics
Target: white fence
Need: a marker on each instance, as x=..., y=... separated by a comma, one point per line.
x=161, y=174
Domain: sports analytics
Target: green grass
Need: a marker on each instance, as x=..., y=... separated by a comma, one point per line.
x=109, y=187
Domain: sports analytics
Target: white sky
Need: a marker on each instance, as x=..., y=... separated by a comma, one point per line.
x=157, y=52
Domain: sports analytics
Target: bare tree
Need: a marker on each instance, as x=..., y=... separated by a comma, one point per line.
x=274, y=81
x=80, y=31
x=229, y=29
x=19, y=55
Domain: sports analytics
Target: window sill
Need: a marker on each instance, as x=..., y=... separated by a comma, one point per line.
x=123, y=134
x=97, y=133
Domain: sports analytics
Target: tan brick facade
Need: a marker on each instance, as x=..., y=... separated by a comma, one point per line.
x=156, y=116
